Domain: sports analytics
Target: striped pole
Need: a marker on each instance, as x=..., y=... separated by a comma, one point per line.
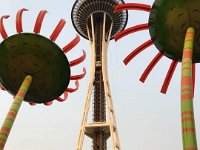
x=10, y=118
x=188, y=124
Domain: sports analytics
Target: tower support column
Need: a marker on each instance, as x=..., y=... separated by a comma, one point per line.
x=99, y=33
x=96, y=21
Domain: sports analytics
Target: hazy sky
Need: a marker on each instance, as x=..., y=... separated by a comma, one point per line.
x=146, y=119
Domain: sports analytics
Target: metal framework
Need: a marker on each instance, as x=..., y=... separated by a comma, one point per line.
x=96, y=21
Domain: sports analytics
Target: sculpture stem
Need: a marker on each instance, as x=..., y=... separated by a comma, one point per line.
x=188, y=122
x=10, y=118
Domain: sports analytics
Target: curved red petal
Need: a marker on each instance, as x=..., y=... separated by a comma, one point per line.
x=168, y=77
x=60, y=99
x=58, y=29
x=78, y=60
x=71, y=90
x=131, y=30
x=137, y=51
x=1, y=87
x=32, y=104
x=39, y=20
x=19, y=20
x=132, y=6
x=48, y=103
x=2, y=29
x=80, y=76
x=72, y=44
x=150, y=67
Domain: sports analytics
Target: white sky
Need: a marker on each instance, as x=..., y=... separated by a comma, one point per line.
x=146, y=119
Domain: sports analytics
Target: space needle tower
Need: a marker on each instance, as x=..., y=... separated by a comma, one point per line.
x=96, y=21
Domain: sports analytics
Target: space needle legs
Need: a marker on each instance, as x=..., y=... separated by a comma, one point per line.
x=101, y=128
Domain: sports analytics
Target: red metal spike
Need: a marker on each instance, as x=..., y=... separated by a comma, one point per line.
x=72, y=44
x=193, y=77
x=39, y=20
x=32, y=104
x=19, y=20
x=71, y=90
x=2, y=29
x=48, y=103
x=78, y=60
x=60, y=99
x=137, y=51
x=168, y=77
x=80, y=76
x=131, y=30
x=149, y=68
x=58, y=29
x=132, y=6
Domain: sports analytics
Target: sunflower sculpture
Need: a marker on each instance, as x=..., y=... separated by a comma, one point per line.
x=39, y=63
x=174, y=28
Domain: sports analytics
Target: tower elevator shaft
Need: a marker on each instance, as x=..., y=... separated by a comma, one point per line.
x=99, y=109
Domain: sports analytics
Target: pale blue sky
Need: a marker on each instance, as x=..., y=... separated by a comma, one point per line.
x=146, y=119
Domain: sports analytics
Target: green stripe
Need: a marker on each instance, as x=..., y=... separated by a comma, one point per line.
x=186, y=73
x=186, y=92
x=186, y=87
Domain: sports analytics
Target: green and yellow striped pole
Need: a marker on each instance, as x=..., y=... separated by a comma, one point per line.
x=10, y=118
x=188, y=122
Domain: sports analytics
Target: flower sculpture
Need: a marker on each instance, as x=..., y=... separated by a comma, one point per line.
x=174, y=28
x=40, y=62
